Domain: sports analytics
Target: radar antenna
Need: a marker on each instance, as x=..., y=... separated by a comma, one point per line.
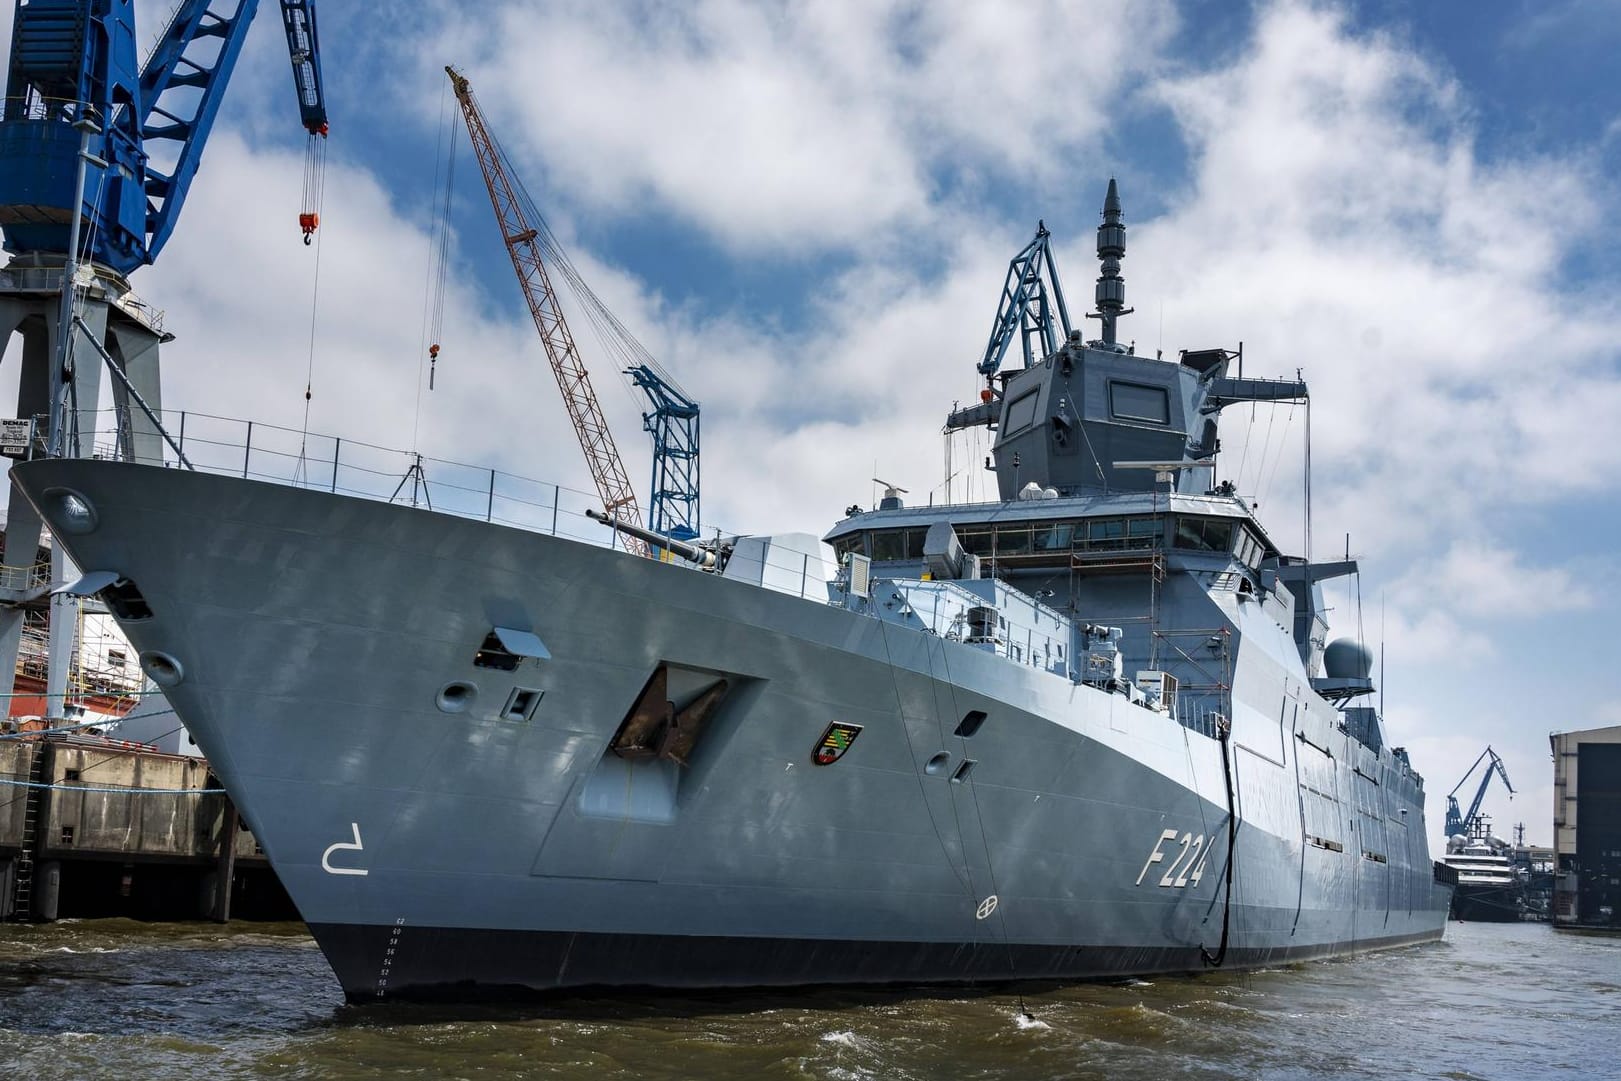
x=1111, y=290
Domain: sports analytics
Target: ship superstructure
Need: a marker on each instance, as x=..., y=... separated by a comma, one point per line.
x=1490, y=888
x=1089, y=729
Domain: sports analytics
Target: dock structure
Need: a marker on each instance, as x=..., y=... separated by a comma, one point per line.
x=91, y=826
x=96, y=827
x=1587, y=829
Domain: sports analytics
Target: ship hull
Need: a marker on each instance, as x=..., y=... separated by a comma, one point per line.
x=475, y=853
x=1487, y=904
x=464, y=964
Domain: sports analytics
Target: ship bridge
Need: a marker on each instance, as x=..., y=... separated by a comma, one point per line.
x=1099, y=531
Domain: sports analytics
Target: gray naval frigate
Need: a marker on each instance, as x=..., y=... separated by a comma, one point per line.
x=1087, y=730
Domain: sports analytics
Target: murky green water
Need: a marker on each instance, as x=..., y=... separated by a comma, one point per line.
x=118, y=999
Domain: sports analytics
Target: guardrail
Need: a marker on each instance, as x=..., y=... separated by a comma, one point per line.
x=48, y=279
x=279, y=455
x=22, y=579
x=273, y=454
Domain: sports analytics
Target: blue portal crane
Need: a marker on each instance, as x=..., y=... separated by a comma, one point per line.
x=97, y=153
x=1461, y=823
x=73, y=62
x=1031, y=296
x=673, y=424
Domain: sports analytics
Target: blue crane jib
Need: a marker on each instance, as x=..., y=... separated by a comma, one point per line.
x=73, y=64
x=1457, y=822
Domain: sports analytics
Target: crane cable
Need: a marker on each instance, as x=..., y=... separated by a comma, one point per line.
x=433, y=301
x=615, y=338
x=301, y=471
x=309, y=219
x=309, y=215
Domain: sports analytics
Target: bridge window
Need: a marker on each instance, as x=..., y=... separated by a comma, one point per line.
x=1052, y=537
x=1142, y=532
x=1106, y=533
x=1249, y=548
x=1022, y=412
x=1205, y=534
x=1013, y=540
x=1133, y=401
x=975, y=541
x=898, y=544
x=846, y=545
x=888, y=544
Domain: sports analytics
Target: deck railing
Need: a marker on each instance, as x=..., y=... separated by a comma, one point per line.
x=265, y=452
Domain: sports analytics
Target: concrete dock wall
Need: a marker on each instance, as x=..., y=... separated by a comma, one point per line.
x=16, y=756
x=93, y=828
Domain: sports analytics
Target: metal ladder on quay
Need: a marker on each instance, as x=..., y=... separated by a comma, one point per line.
x=22, y=895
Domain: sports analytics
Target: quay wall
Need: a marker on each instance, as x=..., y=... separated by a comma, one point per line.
x=93, y=827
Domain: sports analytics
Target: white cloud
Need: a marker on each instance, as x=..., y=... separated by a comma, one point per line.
x=1479, y=579
x=1339, y=220
x=785, y=128
x=1561, y=21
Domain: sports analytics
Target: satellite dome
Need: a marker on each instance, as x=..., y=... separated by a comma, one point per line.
x=1346, y=658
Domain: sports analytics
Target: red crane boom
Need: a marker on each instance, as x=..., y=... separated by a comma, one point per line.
x=607, y=471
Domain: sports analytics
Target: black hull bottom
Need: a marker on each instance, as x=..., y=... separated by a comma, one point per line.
x=431, y=964
x=1493, y=905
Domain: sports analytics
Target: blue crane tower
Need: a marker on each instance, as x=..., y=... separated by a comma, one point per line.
x=1458, y=822
x=673, y=424
x=97, y=154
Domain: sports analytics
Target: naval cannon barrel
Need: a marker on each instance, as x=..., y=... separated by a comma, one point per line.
x=691, y=553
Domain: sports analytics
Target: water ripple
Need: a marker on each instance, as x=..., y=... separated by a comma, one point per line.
x=183, y=1001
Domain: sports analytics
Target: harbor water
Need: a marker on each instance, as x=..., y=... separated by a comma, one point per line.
x=1498, y=1002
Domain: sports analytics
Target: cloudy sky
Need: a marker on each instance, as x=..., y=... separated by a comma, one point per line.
x=805, y=211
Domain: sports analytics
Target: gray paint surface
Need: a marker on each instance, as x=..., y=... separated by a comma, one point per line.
x=316, y=632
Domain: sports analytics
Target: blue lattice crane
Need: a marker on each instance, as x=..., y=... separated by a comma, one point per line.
x=1032, y=307
x=97, y=154
x=1463, y=823
x=73, y=63
x=673, y=424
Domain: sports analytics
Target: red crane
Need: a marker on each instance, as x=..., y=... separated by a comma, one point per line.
x=524, y=245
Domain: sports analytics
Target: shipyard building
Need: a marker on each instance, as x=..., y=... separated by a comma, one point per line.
x=1587, y=828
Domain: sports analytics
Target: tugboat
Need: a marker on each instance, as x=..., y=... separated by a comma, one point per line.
x=1087, y=729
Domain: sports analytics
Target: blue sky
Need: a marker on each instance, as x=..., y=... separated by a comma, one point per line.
x=806, y=210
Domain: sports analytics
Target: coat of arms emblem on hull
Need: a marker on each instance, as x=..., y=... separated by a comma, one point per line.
x=835, y=741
